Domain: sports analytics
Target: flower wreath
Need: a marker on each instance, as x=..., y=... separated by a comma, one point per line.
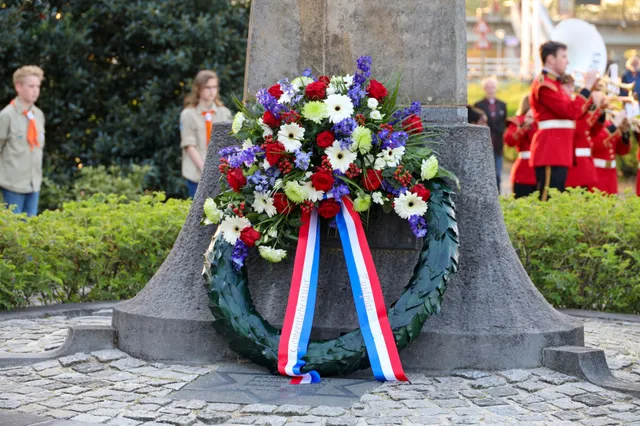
x=325, y=147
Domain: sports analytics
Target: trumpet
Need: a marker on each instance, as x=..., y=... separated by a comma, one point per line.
x=623, y=99
x=579, y=81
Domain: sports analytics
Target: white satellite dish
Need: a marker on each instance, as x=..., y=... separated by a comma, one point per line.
x=586, y=47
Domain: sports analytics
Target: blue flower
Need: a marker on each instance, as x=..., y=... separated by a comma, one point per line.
x=307, y=73
x=392, y=190
x=346, y=143
x=228, y=152
x=356, y=94
x=239, y=254
x=264, y=181
x=364, y=65
x=345, y=127
x=247, y=156
x=302, y=159
x=269, y=102
x=418, y=226
x=401, y=114
x=339, y=190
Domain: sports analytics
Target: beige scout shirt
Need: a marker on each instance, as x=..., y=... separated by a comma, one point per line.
x=20, y=168
x=193, y=132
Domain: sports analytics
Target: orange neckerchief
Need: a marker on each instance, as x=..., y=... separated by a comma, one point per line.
x=208, y=117
x=32, y=130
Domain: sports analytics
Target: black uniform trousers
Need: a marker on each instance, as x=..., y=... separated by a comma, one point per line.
x=550, y=177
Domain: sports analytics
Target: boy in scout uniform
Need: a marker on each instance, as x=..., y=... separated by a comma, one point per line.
x=202, y=108
x=22, y=143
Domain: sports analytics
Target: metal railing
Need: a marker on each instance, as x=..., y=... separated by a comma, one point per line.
x=498, y=67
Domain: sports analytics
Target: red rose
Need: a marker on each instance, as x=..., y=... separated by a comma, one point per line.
x=413, y=124
x=324, y=79
x=328, y=208
x=421, y=191
x=325, y=139
x=372, y=179
x=274, y=151
x=275, y=91
x=249, y=236
x=377, y=90
x=322, y=181
x=270, y=120
x=316, y=91
x=236, y=179
x=282, y=204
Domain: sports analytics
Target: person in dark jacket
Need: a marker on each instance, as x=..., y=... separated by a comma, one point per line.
x=632, y=75
x=496, y=112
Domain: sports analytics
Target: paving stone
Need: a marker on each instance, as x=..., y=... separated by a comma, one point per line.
x=506, y=410
x=113, y=376
x=224, y=407
x=73, y=359
x=244, y=420
x=109, y=412
x=74, y=390
x=620, y=407
x=569, y=389
x=341, y=421
x=442, y=395
x=177, y=420
x=213, y=418
x=175, y=411
x=50, y=372
x=596, y=412
x=471, y=375
x=568, y=415
x=270, y=421
x=141, y=415
x=425, y=420
x=258, y=409
x=191, y=404
x=127, y=363
x=400, y=395
x=127, y=387
x=589, y=387
x=502, y=391
x=32, y=409
x=58, y=402
x=121, y=421
x=61, y=414
x=488, y=382
x=488, y=402
x=600, y=421
x=531, y=386
x=46, y=365
x=383, y=421
x=419, y=403
x=591, y=400
x=453, y=403
x=88, y=418
x=83, y=408
x=109, y=355
x=473, y=393
x=566, y=404
x=88, y=367
x=175, y=386
x=292, y=410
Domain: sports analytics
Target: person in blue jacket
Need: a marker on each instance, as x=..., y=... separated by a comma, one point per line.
x=632, y=75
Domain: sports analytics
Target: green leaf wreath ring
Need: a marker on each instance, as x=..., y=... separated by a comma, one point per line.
x=251, y=336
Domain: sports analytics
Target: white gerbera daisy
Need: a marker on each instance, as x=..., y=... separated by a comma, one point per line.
x=409, y=204
x=272, y=255
x=263, y=204
x=377, y=198
x=290, y=136
x=372, y=103
x=266, y=130
x=339, y=107
x=232, y=226
x=393, y=156
x=340, y=158
x=313, y=195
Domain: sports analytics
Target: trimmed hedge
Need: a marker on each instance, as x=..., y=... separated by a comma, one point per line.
x=582, y=250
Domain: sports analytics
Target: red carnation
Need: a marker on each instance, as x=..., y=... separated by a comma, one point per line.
x=322, y=181
x=324, y=79
x=282, y=204
x=316, y=91
x=271, y=120
x=413, y=124
x=236, y=179
x=328, y=208
x=372, y=179
x=274, y=151
x=249, y=236
x=325, y=139
x=421, y=191
x=377, y=90
x=275, y=91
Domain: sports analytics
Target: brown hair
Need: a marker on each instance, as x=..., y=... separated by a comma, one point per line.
x=524, y=106
x=27, y=71
x=551, y=48
x=192, y=99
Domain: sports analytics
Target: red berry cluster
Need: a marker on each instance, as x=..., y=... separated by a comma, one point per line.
x=353, y=171
x=326, y=164
x=290, y=117
x=307, y=206
x=267, y=139
x=285, y=165
x=238, y=210
x=402, y=176
x=224, y=167
x=360, y=119
x=386, y=126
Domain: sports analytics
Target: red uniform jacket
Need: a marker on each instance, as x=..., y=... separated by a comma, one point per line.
x=606, y=144
x=583, y=173
x=520, y=138
x=553, y=142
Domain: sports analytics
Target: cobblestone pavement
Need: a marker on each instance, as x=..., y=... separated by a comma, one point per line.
x=112, y=388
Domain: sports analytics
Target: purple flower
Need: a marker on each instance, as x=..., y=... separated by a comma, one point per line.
x=359, y=79
x=418, y=225
x=269, y=102
x=264, y=181
x=239, y=254
x=392, y=190
x=364, y=65
x=356, y=94
x=307, y=73
x=401, y=114
x=288, y=89
x=346, y=143
x=247, y=157
x=302, y=159
x=345, y=127
x=339, y=190
x=228, y=152
x=396, y=140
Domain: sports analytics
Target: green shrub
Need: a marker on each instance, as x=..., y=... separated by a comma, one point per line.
x=102, y=248
x=582, y=250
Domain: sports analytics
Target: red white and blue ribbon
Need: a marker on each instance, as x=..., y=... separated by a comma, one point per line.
x=367, y=293
x=298, y=319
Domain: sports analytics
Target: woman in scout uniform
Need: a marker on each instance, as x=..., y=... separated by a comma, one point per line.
x=519, y=133
x=202, y=108
x=22, y=142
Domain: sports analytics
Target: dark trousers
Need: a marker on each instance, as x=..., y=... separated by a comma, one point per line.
x=521, y=190
x=550, y=177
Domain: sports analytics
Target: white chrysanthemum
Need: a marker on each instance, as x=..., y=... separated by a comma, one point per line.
x=429, y=168
x=300, y=82
x=375, y=115
x=339, y=107
x=247, y=144
x=266, y=130
x=377, y=198
x=313, y=195
x=372, y=103
x=348, y=80
x=237, y=122
x=393, y=156
x=332, y=90
x=272, y=255
x=231, y=228
x=340, y=158
x=290, y=136
x=263, y=204
x=409, y=204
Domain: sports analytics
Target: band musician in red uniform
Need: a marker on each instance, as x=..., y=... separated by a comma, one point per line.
x=519, y=133
x=613, y=139
x=552, y=150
